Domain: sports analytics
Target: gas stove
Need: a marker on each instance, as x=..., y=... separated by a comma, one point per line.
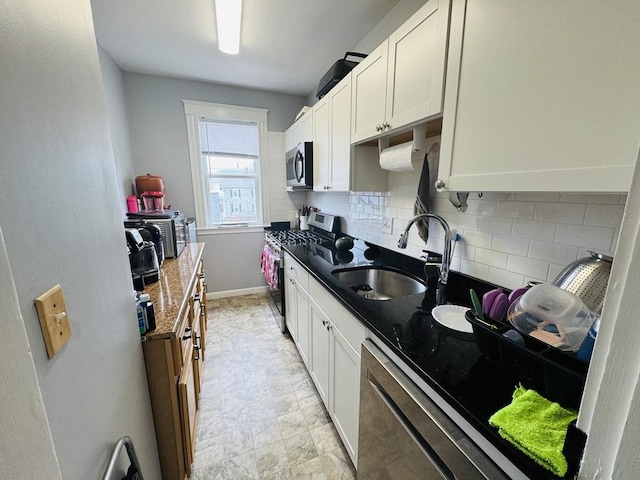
x=295, y=237
x=323, y=229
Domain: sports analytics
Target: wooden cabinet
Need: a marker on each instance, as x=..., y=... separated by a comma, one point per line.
x=174, y=358
x=337, y=165
x=401, y=83
x=541, y=96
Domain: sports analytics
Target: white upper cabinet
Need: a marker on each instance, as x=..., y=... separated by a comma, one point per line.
x=300, y=131
x=337, y=165
x=401, y=82
x=541, y=96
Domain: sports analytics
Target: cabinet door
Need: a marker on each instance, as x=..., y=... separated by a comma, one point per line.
x=345, y=391
x=188, y=412
x=340, y=124
x=541, y=96
x=319, y=365
x=321, y=145
x=291, y=313
x=369, y=79
x=197, y=357
x=307, y=127
x=302, y=309
x=417, y=53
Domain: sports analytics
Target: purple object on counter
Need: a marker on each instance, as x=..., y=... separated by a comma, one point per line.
x=499, y=307
x=488, y=299
x=516, y=294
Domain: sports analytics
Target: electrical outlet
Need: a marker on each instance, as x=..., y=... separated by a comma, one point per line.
x=387, y=225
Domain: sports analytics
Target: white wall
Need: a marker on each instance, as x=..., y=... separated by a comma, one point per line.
x=23, y=420
x=61, y=220
x=159, y=141
x=118, y=126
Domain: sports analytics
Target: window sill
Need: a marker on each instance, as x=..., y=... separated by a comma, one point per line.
x=228, y=230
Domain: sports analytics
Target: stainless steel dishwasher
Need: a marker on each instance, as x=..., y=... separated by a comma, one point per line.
x=405, y=436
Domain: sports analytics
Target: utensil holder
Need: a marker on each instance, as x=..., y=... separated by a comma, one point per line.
x=304, y=222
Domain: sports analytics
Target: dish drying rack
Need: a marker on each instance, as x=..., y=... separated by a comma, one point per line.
x=556, y=375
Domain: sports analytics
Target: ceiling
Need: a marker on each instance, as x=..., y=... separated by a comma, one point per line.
x=286, y=45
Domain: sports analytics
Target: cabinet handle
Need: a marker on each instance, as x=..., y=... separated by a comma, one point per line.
x=324, y=322
x=187, y=333
x=439, y=184
x=196, y=297
x=379, y=127
x=197, y=350
x=385, y=125
x=205, y=287
x=202, y=276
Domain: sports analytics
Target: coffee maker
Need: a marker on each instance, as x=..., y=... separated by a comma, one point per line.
x=143, y=258
x=150, y=233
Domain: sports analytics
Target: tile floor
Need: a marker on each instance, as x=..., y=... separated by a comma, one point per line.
x=260, y=415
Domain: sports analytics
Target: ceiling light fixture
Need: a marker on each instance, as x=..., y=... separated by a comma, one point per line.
x=228, y=15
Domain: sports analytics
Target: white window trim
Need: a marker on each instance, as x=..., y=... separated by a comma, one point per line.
x=194, y=111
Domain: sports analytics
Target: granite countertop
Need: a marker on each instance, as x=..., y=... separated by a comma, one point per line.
x=450, y=362
x=169, y=293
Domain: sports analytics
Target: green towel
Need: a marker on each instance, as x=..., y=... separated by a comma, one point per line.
x=537, y=427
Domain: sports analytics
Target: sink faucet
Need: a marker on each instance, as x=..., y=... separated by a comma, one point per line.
x=446, y=254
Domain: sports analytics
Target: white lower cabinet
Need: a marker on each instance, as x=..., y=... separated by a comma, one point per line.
x=319, y=366
x=336, y=336
x=297, y=305
x=328, y=338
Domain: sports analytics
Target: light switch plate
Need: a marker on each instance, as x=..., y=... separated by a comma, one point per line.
x=54, y=321
x=387, y=225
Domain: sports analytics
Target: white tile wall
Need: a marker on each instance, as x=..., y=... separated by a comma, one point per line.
x=505, y=238
x=282, y=204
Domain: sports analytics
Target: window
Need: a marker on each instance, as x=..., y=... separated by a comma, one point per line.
x=226, y=146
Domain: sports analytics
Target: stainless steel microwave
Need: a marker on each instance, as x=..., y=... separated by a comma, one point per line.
x=300, y=167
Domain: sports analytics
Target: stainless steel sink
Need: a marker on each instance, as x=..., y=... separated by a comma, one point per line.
x=379, y=283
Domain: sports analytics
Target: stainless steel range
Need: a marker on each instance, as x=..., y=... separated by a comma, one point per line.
x=323, y=229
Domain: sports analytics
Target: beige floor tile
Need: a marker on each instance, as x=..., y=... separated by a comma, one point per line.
x=261, y=417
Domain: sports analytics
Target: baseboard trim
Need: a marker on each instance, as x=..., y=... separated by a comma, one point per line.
x=236, y=293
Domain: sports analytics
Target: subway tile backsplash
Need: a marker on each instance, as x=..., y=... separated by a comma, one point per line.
x=505, y=238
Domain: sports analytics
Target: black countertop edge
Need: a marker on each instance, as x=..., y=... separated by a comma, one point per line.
x=320, y=261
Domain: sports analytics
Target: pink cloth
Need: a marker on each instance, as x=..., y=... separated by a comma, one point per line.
x=269, y=265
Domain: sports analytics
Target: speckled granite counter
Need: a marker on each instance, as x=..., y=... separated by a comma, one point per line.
x=169, y=293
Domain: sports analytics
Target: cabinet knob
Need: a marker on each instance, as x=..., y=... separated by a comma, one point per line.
x=379, y=127
x=439, y=184
x=385, y=125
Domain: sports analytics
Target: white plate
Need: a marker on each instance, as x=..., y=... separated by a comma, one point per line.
x=452, y=316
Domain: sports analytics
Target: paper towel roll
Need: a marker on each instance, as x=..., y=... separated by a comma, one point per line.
x=398, y=158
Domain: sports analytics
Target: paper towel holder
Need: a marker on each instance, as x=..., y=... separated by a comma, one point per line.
x=419, y=139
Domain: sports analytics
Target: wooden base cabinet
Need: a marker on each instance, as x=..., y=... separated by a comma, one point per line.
x=174, y=359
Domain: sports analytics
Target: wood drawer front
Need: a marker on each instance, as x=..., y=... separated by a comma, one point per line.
x=352, y=330
x=188, y=396
x=184, y=336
